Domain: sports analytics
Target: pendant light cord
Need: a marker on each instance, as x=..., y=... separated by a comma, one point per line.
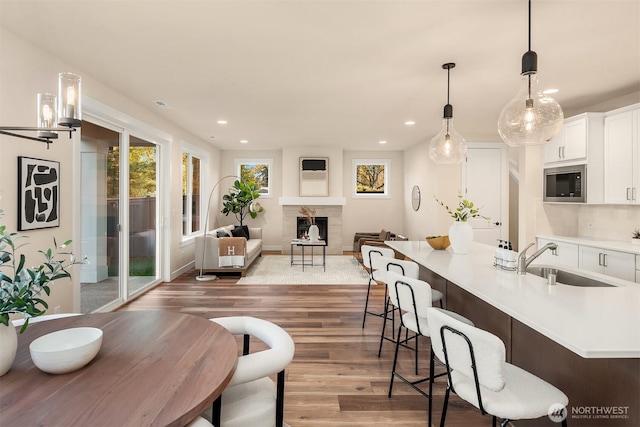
x=448, y=83
x=529, y=25
x=529, y=49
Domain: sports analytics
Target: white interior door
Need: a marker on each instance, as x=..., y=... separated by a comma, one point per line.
x=484, y=183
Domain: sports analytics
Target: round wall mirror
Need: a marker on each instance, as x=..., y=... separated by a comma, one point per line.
x=415, y=198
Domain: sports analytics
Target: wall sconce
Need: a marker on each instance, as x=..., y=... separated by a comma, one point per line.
x=61, y=114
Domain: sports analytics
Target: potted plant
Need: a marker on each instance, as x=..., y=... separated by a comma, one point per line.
x=635, y=237
x=241, y=201
x=21, y=287
x=460, y=232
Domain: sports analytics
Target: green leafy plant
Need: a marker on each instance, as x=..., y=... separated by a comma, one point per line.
x=241, y=201
x=636, y=234
x=21, y=287
x=465, y=210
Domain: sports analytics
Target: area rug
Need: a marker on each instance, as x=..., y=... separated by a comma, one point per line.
x=277, y=270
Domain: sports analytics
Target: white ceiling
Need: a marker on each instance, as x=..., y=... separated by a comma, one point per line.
x=338, y=73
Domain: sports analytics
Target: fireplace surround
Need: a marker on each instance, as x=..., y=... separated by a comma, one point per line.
x=333, y=234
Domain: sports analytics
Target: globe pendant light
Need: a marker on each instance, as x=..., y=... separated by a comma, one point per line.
x=531, y=118
x=448, y=146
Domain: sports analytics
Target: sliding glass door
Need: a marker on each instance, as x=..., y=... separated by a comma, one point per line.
x=119, y=176
x=143, y=208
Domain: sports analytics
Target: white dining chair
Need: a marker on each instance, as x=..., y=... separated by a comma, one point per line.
x=369, y=255
x=251, y=397
x=44, y=317
x=477, y=372
x=412, y=297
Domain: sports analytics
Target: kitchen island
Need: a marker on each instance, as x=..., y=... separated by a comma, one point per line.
x=586, y=341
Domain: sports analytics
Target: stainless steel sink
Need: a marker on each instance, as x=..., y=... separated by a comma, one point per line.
x=566, y=277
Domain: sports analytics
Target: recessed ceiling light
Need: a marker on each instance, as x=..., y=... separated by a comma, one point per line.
x=409, y=123
x=382, y=142
x=244, y=141
x=222, y=122
x=212, y=137
x=550, y=91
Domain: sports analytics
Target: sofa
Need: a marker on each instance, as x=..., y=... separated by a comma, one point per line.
x=252, y=249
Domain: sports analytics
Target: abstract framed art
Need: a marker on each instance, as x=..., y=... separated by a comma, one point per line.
x=38, y=193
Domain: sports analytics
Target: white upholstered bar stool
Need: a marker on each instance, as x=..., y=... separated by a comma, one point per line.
x=412, y=297
x=252, y=398
x=369, y=255
x=477, y=371
x=405, y=268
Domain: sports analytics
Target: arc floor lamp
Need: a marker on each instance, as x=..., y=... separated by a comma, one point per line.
x=201, y=277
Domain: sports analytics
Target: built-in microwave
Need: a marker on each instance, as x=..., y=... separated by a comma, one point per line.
x=565, y=184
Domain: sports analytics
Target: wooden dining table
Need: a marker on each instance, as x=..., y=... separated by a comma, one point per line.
x=154, y=368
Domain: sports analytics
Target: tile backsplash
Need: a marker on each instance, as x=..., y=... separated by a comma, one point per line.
x=604, y=222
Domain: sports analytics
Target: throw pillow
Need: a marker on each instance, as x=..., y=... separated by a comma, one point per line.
x=238, y=232
x=222, y=234
x=246, y=231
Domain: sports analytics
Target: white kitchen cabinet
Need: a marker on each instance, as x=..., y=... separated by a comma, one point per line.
x=612, y=263
x=637, y=268
x=622, y=157
x=566, y=254
x=579, y=136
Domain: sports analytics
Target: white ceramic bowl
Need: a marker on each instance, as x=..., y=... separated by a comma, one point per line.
x=66, y=350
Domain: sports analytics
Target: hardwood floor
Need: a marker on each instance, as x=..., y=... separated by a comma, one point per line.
x=336, y=378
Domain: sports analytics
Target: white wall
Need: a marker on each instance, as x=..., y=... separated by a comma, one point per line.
x=441, y=181
x=291, y=169
x=271, y=219
x=358, y=214
x=373, y=214
x=26, y=70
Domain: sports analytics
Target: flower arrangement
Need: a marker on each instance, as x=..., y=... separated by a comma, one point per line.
x=21, y=288
x=308, y=213
x=465, y=210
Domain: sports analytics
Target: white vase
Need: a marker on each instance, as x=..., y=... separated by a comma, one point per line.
x=8, y=347
x=314, y=233
x=460, y=236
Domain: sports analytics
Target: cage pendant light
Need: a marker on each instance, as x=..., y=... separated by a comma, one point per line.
x=448, y=146
x=531, y=118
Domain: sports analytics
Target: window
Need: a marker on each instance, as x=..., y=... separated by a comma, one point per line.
x=371, y=177
x=257, y=171
x=191, y=195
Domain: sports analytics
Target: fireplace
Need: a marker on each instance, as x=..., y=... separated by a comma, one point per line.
x=332, y=231
x=302, y=227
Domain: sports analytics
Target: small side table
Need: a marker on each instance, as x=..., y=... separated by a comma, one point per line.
x=302, y=243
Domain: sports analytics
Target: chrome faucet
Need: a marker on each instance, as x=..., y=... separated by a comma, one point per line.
x=523, y=261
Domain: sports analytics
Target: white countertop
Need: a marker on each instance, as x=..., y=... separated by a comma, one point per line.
x=615, y=245
x=601, y=322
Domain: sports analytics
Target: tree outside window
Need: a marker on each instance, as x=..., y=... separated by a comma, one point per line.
x=191, y=194
x=142, y=171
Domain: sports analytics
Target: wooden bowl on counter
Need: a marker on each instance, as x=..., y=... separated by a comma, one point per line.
x=438, y=242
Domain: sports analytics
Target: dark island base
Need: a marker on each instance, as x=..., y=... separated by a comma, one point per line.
x=602, y=392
